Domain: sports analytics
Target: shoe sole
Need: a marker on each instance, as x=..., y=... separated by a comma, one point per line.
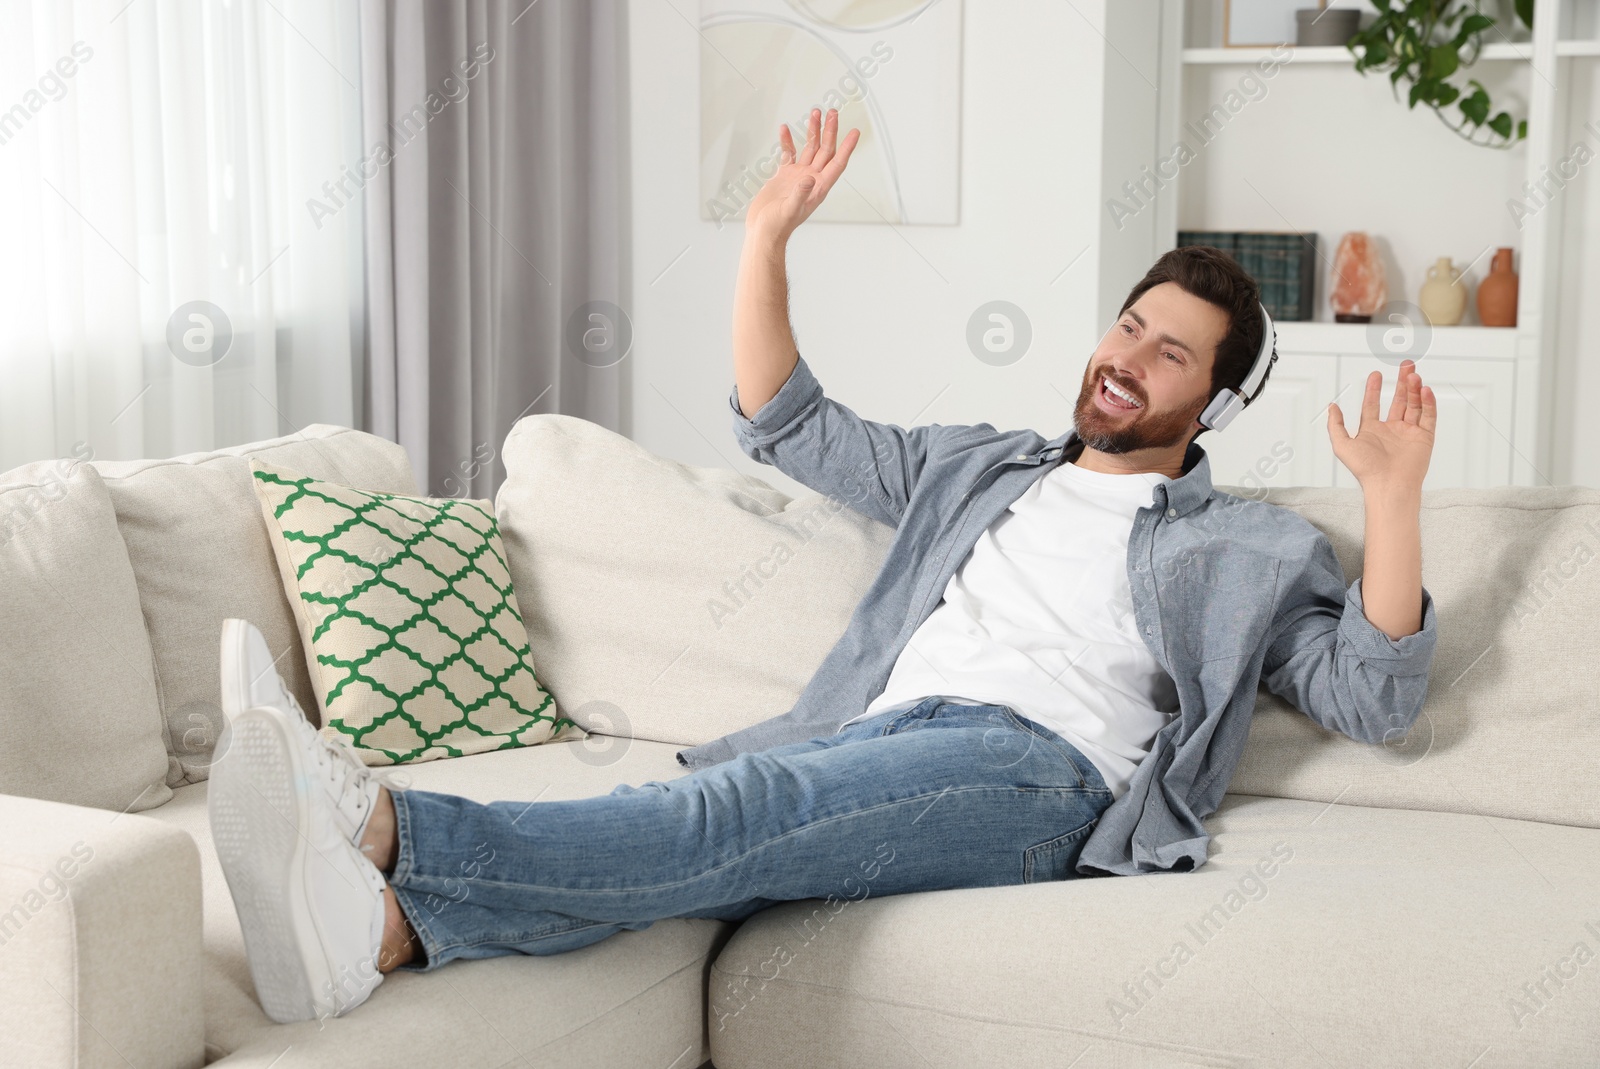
x=261, y=830
x=235, y=687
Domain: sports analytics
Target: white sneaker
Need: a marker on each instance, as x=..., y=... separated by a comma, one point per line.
x=250, y=673
x=250, y=680
x=309, y=902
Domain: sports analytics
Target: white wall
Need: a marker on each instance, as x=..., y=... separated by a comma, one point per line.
x=881, y=313
x=1420, y=191
x=1129, y=144
x=1329, y=151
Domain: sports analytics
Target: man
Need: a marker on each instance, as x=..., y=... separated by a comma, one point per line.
x=1052, y=675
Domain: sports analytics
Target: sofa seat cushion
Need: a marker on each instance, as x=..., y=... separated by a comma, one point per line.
x=637, y=998
x=1316, y=935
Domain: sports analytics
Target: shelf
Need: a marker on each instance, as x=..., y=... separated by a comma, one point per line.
x=1513, y=370
x=1519, y=50
x=1473, y=342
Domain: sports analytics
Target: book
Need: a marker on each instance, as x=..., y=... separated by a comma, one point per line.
x=1283, y=264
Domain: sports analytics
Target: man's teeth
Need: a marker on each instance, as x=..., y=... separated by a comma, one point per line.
x=1111, y=388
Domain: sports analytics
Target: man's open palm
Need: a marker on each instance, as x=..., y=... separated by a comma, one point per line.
x=789, y=197
x=1392, y=452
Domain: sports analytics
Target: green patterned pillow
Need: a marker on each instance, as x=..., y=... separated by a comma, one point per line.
x=412, y=634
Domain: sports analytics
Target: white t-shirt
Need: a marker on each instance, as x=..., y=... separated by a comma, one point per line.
x=1039, y=617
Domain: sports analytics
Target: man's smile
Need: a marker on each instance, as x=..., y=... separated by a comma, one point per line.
x=1115, y=398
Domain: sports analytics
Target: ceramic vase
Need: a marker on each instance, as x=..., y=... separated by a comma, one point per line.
x=1497, y=294
x=1443, y=297
x=1359, y=286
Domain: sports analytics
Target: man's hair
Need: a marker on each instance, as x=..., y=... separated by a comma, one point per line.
x=1214, y=276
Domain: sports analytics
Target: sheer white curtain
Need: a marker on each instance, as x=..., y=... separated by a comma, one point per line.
x=171, y=169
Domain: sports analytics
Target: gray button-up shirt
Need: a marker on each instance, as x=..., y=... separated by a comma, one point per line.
x=1227, y=592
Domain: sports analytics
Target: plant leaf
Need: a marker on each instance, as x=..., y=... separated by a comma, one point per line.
x=1442, y=61
x=1422, y=42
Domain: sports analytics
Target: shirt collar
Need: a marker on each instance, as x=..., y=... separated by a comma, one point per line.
x=1185, y=493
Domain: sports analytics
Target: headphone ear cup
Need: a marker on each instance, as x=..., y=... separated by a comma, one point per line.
x=1229, y=403
x=1220, y=412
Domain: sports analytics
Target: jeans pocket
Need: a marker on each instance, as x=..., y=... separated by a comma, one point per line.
x=1056, y=859
x=1039, y=733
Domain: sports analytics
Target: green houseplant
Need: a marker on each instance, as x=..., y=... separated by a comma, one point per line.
x=1427, y=42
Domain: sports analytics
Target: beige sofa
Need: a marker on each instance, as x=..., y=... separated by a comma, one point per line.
x=1432, y=902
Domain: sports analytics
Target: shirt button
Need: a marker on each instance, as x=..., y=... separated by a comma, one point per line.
x=1022, y=456
x=1172, y=512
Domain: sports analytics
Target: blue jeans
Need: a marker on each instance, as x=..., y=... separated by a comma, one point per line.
x=938, y=796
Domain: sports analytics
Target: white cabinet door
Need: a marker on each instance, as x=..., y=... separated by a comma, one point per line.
x=1282, y=438
x=1472, y=441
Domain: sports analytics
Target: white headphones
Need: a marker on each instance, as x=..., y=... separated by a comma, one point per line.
x=1227, y=404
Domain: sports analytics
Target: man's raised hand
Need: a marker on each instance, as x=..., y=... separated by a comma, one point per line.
x=803, y=179
x=1389, y=454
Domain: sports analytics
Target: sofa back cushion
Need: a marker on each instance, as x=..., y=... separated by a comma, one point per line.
x=669, y=602
x=1511, y=724
x=678, y=603
x=79, y=718
x=200, y=554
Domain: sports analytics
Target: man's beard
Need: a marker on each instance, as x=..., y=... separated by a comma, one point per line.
x=1143, y=429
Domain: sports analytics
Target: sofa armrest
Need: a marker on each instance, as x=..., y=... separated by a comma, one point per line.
x=100, y=934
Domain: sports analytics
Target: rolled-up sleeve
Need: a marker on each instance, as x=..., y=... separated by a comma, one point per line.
x=820, y=443
x=1333, y=664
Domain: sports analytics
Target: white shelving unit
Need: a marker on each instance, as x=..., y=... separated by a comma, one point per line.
x=1331, y=54
x=1493, y=384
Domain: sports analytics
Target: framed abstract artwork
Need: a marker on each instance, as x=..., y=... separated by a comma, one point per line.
x=891, y=67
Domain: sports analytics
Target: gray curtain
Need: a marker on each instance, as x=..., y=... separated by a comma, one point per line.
x=496, y=225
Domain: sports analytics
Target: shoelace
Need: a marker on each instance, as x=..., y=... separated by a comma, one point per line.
x=344, y=768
